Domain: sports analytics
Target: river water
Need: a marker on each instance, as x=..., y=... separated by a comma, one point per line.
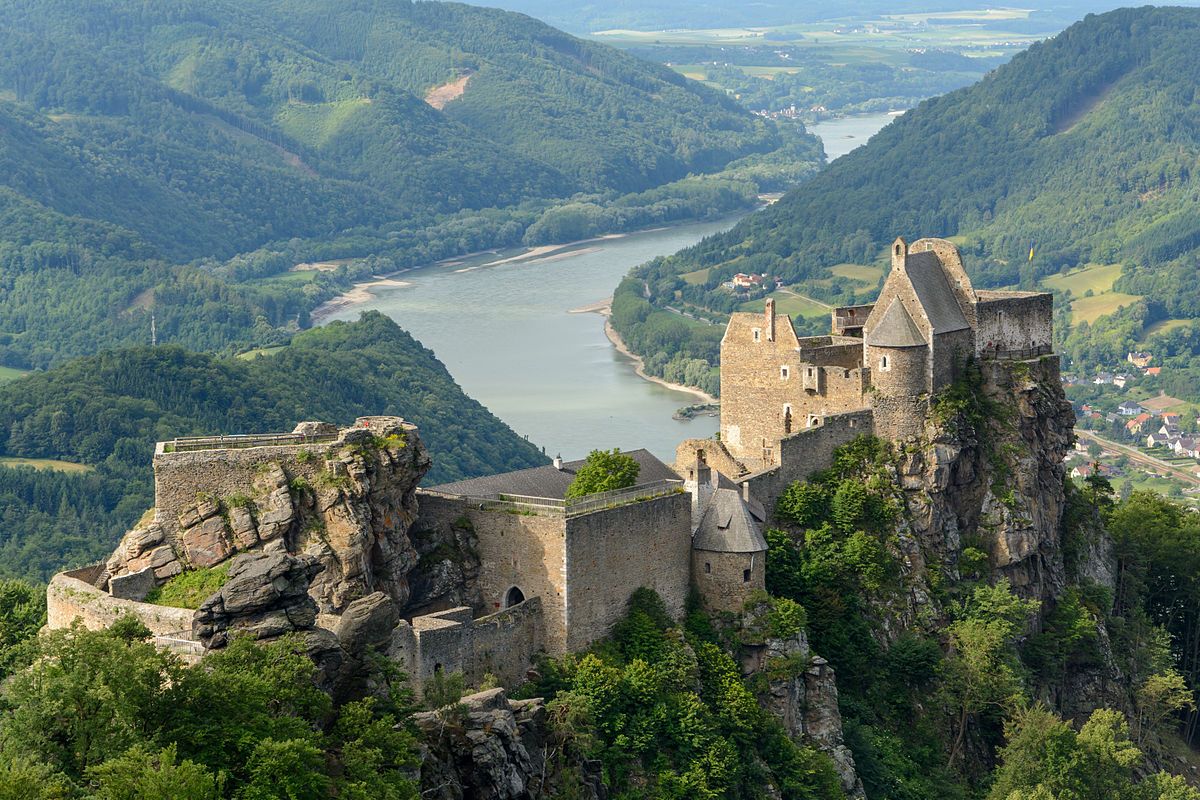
x=506, y=333
x=844, y=134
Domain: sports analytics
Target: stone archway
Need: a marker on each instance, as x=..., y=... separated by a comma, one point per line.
x=513, y=596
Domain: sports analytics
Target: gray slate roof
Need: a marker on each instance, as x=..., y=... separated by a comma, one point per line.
x=550, y=482
x=896, y=328
x=929, y=281
x=728, y=526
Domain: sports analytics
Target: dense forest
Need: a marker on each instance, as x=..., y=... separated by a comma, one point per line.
x=1080, y=151
x=107, y=411
x=178, y=159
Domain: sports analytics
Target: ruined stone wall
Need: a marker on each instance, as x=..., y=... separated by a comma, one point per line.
x=805, y=453
x=831, y=351
x=71, y=595
x=501, y=644
x=613, y=552
x=754, y=387
x=521, y=550
x=1014, y=321
x=715, y=455
x=720, y=578
x=949, y=352
x=180, y=478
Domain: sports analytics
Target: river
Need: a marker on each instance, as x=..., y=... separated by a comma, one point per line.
x=843, y=134
x=505, y=333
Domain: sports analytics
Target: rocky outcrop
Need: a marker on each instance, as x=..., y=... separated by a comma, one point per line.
x=348, y=502
x=491, y=748
x=265, y=597
x=995, y=486
x=801, y=691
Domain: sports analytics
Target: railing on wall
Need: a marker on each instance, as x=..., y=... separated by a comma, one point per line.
x=237, y=442
x=572, y=507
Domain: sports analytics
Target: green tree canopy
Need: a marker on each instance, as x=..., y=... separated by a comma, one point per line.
x=604, y=471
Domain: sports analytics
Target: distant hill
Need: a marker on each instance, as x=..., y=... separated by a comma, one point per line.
x=1082, y=148
x=586, y=16
x=138, y=135
x=106, y=412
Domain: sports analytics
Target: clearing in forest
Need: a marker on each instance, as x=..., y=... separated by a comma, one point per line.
x=439, y=96
x=44, y=464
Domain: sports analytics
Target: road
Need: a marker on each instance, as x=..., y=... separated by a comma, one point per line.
x=1183, y=474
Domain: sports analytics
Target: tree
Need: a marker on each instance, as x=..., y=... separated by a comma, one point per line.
x=982, y=672
x=604, y=471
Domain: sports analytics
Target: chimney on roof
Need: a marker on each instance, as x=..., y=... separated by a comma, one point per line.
x=899, y=252
x=746, y=491
x=558, y=462
x=770, y=327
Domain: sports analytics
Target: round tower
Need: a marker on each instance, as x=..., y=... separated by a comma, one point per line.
x=898, y=356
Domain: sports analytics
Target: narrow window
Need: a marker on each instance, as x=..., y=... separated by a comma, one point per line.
x=884, y=363
x=745, y=576
x=707, y=567
x=757, y=333
x=783, y=373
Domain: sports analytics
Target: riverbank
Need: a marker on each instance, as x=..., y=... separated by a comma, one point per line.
x=639, y=366
x=358, y=293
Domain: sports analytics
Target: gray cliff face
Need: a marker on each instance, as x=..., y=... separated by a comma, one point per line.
x=493, y=748
x=998, y=490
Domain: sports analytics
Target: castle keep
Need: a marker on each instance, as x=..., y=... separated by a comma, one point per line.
x=889, y=358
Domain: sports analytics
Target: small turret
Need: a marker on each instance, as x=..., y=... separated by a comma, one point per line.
x=899, y=253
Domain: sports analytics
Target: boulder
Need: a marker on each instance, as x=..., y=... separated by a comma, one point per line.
x=207, y=544
x=265, y=597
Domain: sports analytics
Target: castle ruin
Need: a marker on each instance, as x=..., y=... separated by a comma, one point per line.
x=877, y=372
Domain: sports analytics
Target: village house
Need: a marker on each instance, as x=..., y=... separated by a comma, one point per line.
x=1139, y=359
x=1152, y=372
x=1103, y=379
x=1136, y=425
x=1129, y=409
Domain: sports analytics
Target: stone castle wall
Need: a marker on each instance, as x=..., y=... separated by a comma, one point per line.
x=73, y=596
x=612, y=553
x=500, y=644
x=1014, y=321
x=720, y=578
x=806, y=452
x=522, y=550
x=180, y=478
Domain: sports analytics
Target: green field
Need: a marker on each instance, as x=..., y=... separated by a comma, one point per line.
x=695, y=278
x=261, y=352
x=1163, y=326
x=1090, y=309
x=44, y=463
x=11, y=373
x=296, y=277
x=1095, y=277
x=868, y=276
x=788, y=303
